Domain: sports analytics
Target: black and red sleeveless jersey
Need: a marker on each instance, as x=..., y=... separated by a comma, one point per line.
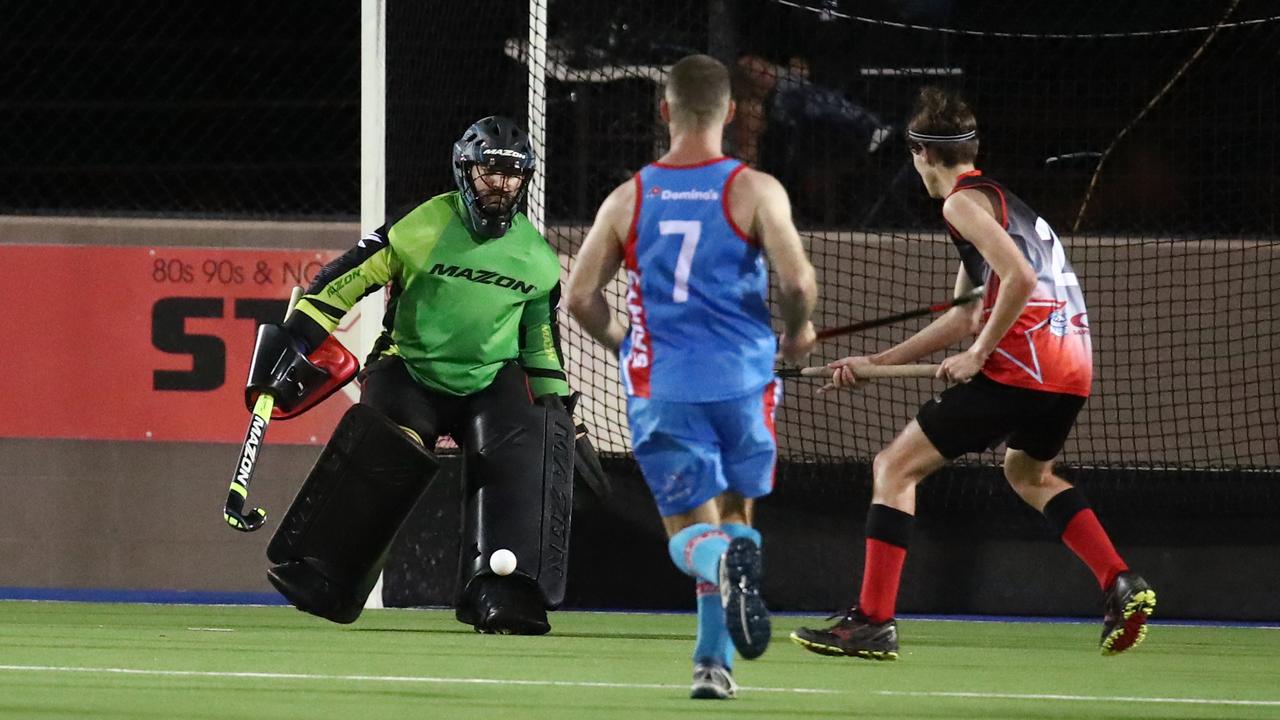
x=1048, y=348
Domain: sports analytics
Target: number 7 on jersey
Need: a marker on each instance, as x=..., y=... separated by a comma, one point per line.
x=690, y=231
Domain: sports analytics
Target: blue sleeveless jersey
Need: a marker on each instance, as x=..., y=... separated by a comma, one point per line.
x=697, y=290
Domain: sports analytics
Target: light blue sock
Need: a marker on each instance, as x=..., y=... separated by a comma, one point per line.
x=734, y=530
x=697, y=549
x=713, y=645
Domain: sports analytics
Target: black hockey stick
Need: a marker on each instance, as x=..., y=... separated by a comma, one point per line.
x=964, y=299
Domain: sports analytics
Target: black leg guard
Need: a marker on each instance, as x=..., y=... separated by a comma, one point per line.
x=333, y=541
x=519, y=496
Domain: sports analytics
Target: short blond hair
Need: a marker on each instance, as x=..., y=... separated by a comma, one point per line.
x=698, y=90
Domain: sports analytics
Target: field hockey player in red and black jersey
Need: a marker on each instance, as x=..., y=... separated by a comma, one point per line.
x=1021, y=382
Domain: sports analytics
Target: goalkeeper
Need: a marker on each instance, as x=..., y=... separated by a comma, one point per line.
x=469, y=349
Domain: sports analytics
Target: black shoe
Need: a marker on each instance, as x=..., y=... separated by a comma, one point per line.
x=855, y=635
x=745, y=614
x=505, y=606
x=712, y=681
x=1128, y=603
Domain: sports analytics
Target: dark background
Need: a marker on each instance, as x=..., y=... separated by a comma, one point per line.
x=251, y=109
x=239, y=109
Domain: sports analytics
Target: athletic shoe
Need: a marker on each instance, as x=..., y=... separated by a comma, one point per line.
x=745, y=614
x=855, y=635
x=712, y=681
x=1128, y=603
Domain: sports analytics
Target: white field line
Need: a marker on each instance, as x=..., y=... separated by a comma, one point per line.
x=382, y=678
x=1078, y=698
x=624, y=686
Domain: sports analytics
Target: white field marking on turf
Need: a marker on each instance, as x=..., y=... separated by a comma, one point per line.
x=387, y=678
x=1078, y=698
x=211, y=629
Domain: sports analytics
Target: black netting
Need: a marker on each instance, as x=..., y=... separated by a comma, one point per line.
x=1144, y=136
x=230, y=108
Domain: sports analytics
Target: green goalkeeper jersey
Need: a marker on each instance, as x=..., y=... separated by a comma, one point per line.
x=461, y=305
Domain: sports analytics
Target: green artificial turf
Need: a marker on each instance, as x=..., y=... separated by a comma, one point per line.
x=73, y=660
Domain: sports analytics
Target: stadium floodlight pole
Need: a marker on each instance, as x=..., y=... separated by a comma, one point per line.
x=536, y=60
x=373, y=176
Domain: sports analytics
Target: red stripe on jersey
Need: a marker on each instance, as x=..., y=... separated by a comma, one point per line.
x=770, y=409
x=640, y=357
x=1004, y=205
x=770, y=406
x=704, y=163
x=724, y=202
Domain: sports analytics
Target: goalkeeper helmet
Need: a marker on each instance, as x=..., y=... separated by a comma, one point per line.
x=487, y=159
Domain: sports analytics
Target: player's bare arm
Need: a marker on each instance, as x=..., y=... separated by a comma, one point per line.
x=969, y=213
x=770, y=223
x=597, y=265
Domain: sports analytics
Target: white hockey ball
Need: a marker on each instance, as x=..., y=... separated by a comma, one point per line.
x=502, y=562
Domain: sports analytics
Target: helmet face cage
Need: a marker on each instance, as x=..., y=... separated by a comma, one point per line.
x=495, y=145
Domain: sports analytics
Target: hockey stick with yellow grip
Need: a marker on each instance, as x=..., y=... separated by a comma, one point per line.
x=233, y=511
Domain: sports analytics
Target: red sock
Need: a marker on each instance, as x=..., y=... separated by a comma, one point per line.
x=880, y=580
x=1086, y=538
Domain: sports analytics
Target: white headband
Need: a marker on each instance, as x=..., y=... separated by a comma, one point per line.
x=922, y=137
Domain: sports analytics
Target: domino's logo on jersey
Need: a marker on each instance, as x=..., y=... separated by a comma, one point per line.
x=658, y=193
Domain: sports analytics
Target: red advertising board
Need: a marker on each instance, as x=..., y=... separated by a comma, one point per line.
x=144, y=343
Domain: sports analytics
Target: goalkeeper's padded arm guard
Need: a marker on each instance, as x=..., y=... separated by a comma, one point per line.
x=296, y=382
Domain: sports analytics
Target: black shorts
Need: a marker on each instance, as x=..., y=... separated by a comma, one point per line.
x=982, y=413
x=390, y=389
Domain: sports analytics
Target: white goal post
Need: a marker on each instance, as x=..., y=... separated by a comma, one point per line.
x=359, y=338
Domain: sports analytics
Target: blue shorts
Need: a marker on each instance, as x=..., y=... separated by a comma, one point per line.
x=692, y=452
